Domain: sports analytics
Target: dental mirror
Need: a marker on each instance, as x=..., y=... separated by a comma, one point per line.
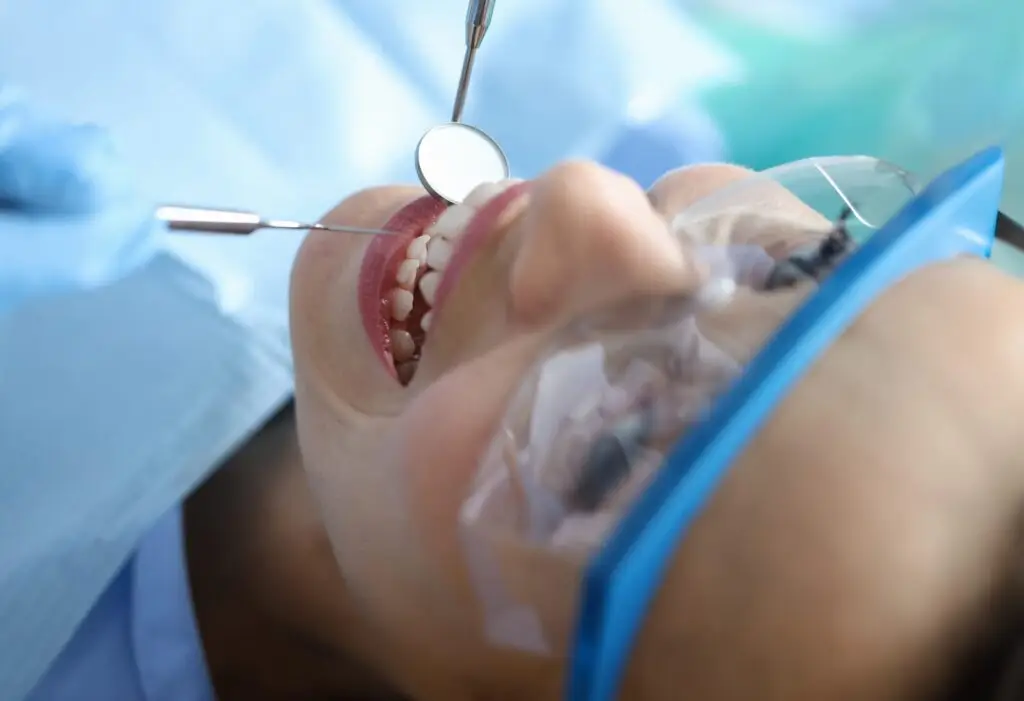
x=453, y=158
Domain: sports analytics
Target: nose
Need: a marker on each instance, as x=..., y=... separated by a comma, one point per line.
x=582, y=238
x=590, y=238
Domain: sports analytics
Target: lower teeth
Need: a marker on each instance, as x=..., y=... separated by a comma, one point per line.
x=405, y=353
x=406, y=371
x=403, y=347
x=406, y=336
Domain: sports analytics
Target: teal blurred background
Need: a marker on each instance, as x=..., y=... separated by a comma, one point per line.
x=923, y=86
x=288, y=105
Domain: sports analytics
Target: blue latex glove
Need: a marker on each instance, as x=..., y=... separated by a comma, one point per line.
x=68, y=217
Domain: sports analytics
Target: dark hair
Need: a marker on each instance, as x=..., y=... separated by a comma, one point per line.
x=994, y=669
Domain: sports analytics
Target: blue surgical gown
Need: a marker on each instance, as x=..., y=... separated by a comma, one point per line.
x=114, y=405
x=140, y=641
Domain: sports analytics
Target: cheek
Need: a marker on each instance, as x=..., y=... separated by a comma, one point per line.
x=527, y=590
x=441, y=436
x=354, y=485
x=483, y=575
x=438, y=449
x=439, y=444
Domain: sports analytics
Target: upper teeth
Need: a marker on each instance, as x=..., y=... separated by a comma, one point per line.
x=439, y=251
x=428, y=286
x=484, y=192
x=418, y=249
x=425, y=260
x=401, y=304
x=452, y=221
x=407, y=272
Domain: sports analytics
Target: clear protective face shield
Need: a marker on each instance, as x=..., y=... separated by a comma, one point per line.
x=619, y=436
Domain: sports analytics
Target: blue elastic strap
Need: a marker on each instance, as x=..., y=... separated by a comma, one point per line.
x=955, y=215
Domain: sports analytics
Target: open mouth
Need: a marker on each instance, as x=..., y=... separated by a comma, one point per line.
x=402, y=275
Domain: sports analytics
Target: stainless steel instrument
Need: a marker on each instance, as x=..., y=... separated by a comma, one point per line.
x=210, y=220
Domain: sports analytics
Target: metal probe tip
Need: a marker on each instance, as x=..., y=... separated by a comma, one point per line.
x=296, y=225
x=349, y=229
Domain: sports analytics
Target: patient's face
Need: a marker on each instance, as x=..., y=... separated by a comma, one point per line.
x=858, y=539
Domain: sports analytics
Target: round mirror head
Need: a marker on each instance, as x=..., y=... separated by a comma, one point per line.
x=453, y=158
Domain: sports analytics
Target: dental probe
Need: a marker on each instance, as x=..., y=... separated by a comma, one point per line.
x=478, y=19
x=240, y=223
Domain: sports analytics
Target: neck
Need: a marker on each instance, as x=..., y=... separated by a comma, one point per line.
x=256, y=557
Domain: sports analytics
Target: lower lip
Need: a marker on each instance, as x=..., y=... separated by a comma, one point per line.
x=380, y=263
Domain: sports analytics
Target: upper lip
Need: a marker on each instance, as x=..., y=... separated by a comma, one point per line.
x=477, y=231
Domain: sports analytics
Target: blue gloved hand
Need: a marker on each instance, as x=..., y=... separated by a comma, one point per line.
x=69, y=218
